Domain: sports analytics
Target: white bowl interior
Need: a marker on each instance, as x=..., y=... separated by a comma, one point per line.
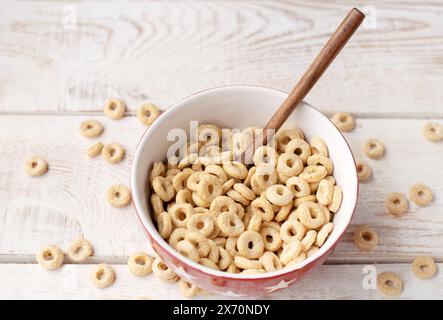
x=241, y=107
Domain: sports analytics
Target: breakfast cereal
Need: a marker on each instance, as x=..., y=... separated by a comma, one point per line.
x=397, y=203
x=50, y=257
x=365, y=238
x=374, y=148
x=95, y=150
x=162, y=271
x=102, y=276
x=140, y=264
x=389, y=283
x=421, y=194
x=364, y=171
x=114, y=109
x=148, y=113
x=91, y=128
x=36, y=166
x=118, y=196
x=424, y=267
x=343, y=121
x=433, y=132
x=113, y=152
x=80, y=250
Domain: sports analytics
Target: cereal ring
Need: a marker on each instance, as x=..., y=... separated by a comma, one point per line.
x=289, y=165
x=313, y=173
x=235, y=169
x=312, y=251
x=225, y=259
x=91, y=128
x=221, y=242
x=171, y=173
x=397, y=203
x=247, y=193
x=188, y=161
x=317, y=159
x=313, y=187
x=244, y=263
x=240, y=210
x=284, y=136
x=365, y=238
x=302, y=256
x=282, y=213
x=140, y=264
x=290, y=251
x=271, y=238
x=421, y=194
x=250, y=244
x=163, y=187
x=164, y=224
x=230, y=224
x=180, y=180
x=323, y=234
x=424, y=267
x=324, y=192
x=271, y=224
x=222, y=204
x=262, y=207
x=248, y=178
x=330, y=178
x=118, y=195
x=311, y=198
x=187, y=289
x=213, y=251
x=102, y=276
x=265, y=176
x=374, y=149
x=266, y=155
x=318, y=146
x=237, y=196
x=50, y=257
x=114, y=109
x=80, y=250
x=200, y=222
x=209, y=134
x=113, y=152
x=157, y=204
x=327, y=213
x=279, y=194
x=162, y=271
x=198, y=240
x=209, y=188
x=337, y=197
x=270, y=262
x=231, y=246
x=364, y=171
x=180, y=214
x=433, y=132
x=389, y=283
x=208, y=263
x=217, y=171
x=232, y=268
x=310, y=215
x=228, y=185
x=343, y=121
x=194, y=180
x=36, y=166
x=255, y=222
x=292, y=229
x=298, y=186
x=199, y=201
x=184, y=196
x=300, y=148
x=308, y=240
x=187, y=249
x=95, y=150
x=148, y=113
x=176, y=236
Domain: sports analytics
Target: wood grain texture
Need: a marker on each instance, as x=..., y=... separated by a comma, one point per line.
x=326, y=282
x=162, y=51
x=69, y=202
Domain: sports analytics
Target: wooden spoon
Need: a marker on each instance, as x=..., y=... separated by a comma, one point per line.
x=324, y=58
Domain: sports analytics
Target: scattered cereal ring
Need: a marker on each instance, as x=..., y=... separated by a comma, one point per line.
x=290, y=251
x=91, y=128
x=270, y=262
x=188, y=249
x=433, y=132
x=102, y=276
x=245, y=263
x=292, y=229
x=164, y=224
x=114, y=109
x=50, y=257
x=271, y=238
x=279, y=194
x=364, y=171
x=424, y=267
x=161, y=270
x=389, y=283
x=325, y=192
x=140, y=264
x=365, y=238
x=148, y=113
x=250, y=244
x=187, y=289
x=318, y=146
x=374, y=148
x=337, y=197
x=323, y=234
x=36, y=166
x=300, y=148
x=113, y=152
x=397, y=203
x=310, y=215
x=180, y=214
x=95, y=150
x=80, y=250
x=421, y=194
x=118, y=195
x=343, y=121
x=230, y=224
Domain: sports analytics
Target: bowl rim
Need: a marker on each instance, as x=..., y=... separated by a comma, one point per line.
x=154, y=235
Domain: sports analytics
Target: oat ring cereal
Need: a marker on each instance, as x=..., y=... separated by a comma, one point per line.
x=318, y=146
x=113, y=152
x=180, y=214
x=50, y=257
x=318, y=159
x=289, y=165
x=102, y=276
x=424, y=267
x=421, y=194
x=300, y=148
x=209, y=134
x=285, y=135
x=250, y=245
x=245, y=263
x=337, y=197
x=389, y=283
x=262, y=207
x=225, y=259
x=323, y=233
x=80, y=250
x=298, y=186
x=222, y=204
x=265, y=154
x=245, y=191
x=95, y=150
x=365, y=238
x=163, y=187
x=374, y=148
x=148, y=113
x=308, y=240
x=214, y=253
x=36, y=166
x=164, y=223
x=343, y=121
x=279, y=194
x=176, y=236
x=397, y=203
x=209, y=188
x=161, y=270
x=271, y=238
x=114, y=109
x=313, y=173
x=325, y=192
x=270, y=262
x=157, y=204
x=254, y=222
x=200, y=222
x=364, y=171
x=282, y=213
x=237, y=196
x=199, y=241
x=187, y=289
x=292, y=229
x=118, y=196
x=235, y=169
x=140, y=264
x=179, y=181
x=290, y=251
x=230, y=224
x=188, y=249
x=91, y=128
x=310, y=215
x=217, y=171
x=433, y=132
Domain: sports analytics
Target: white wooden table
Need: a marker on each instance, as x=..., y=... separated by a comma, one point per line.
x=59, y=62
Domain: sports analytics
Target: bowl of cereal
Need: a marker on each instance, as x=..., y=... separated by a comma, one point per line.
x=242, y=229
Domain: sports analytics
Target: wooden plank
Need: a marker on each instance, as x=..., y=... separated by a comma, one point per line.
x=30, y=281
x=68, y=201
x=163, y=50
